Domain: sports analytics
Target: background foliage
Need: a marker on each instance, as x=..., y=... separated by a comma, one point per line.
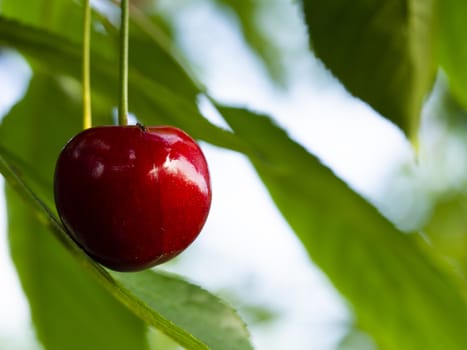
x=404, y=280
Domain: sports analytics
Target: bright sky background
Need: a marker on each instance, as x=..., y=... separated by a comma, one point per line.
x=255, y=253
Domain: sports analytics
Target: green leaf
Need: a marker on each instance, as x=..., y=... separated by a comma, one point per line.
x=452, y=46
x=399, y=289
x=445, y=177
x=52, y=15
x=157, y=64
x=356, y=340
x=152, y=102
x=69, y=309
x=248, y=14
x=382, y=51
x=447, y=229
x=192, y=308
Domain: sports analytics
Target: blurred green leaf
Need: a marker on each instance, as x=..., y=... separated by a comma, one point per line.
x=399, y=289
x=69, y=309
x=152, y=102
x=452, y=45
x=356, y=340
x=253, y=312
x=442, y=160
x=157, y=65
x=248, y=14
x=55, y=15
x=382, y=51
x=447, y=229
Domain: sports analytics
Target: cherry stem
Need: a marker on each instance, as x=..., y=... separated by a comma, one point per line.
x=123, y=108
x=86, y=80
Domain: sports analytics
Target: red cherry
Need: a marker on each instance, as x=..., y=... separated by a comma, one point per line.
x=132, y=197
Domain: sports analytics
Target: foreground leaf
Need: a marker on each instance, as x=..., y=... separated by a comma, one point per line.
x=452, y=46
x=382, y=51
x=204, y=315
x=399, y=291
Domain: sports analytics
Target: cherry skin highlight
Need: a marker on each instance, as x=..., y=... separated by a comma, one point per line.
x=132, y=197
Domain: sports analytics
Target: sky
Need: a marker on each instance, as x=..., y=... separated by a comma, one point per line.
x=257, y=255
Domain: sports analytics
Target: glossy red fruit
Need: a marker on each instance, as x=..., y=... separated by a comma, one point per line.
x=132, y=197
